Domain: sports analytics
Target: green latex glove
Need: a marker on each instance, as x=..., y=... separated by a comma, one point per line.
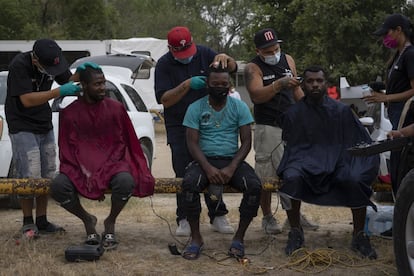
x=87, y=64
x=198, y=82
x=69, y=89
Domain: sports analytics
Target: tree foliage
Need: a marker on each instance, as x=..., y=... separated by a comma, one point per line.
x=334, y=34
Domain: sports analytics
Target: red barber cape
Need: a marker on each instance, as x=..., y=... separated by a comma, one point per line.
x=97, y=141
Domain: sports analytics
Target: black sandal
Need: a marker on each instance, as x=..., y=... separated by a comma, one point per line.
x=109, y=241
x=51, y=229
x=93, y=239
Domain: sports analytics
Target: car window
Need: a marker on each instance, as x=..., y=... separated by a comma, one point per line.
x=143, y=71
x=114, y=93
x=3, y=89
x=136, y=99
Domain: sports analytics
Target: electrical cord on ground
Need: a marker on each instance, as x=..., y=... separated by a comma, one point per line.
x=172, y=246
x=218, y=257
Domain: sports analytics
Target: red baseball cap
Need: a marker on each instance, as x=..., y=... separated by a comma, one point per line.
x=180, y=42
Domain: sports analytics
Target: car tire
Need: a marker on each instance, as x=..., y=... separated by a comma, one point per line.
x=148, y=155
x=403, y=226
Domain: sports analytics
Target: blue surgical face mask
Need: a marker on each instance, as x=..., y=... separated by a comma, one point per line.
x=184, y=60
x=273, y=59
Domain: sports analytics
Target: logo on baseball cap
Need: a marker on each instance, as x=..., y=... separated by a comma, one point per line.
x=265, y=38
x=50, y=56
x=180, y=42
x=392, y=22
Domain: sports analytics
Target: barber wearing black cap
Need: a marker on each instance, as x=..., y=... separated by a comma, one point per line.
x=273, y=87
x=29, y=119
x=397, y=34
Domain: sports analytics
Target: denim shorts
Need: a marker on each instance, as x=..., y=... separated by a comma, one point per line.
x=34, y=154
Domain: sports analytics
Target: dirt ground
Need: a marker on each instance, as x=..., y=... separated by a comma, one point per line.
x=147, y=225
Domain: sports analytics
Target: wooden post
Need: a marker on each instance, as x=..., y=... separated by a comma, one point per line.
x=40, y=186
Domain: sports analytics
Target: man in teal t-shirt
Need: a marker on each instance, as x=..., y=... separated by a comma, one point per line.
x=214, y=124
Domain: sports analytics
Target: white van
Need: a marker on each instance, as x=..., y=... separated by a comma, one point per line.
x=72, y=49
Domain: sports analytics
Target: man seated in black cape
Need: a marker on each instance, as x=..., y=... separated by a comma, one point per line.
x=317, y=169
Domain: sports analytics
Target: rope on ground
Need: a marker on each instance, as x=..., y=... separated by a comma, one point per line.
x=319, y=260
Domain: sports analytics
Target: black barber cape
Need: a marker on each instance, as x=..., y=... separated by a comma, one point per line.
x=316, y=167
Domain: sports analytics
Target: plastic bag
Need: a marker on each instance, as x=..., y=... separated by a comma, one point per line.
x=377, y=223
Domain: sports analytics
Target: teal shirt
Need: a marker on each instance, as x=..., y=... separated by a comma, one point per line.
x=219, y=131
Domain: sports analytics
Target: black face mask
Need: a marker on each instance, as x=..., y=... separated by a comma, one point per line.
x=218, y=93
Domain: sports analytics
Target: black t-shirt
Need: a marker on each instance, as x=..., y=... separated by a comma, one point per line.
x=169, y=73
x=24, y=78
x=269, y=113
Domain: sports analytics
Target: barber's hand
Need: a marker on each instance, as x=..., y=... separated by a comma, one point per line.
x=394, y=134
x=87, y=64
x=288, y=82
x=198, y=82
x=220, y=59
x=69, y=89
x=376, y=97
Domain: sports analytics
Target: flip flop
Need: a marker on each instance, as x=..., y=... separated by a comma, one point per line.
x=93, y=239
x=51, y=229
x=236, y=250
x=109, y=241
x=30, y=231
x=193, y=251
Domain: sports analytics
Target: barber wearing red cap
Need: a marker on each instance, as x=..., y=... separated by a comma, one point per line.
x=180, y=79
x=397, y=34
x=29, y=119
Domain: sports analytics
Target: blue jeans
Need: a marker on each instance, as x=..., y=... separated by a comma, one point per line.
x=34, y=154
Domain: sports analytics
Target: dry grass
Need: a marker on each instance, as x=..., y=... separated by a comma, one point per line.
x=143, y=238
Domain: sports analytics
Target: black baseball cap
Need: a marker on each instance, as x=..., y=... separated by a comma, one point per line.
x=391, y=22
x=265, y=38
x=50, y=56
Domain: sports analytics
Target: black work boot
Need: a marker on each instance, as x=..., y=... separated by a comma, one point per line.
x=362, y=244
x=295, y=240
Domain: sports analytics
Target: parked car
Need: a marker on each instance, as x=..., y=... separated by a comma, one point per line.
x=403, y=226
x=5, y=148
x=140, y=74
x=117, y=87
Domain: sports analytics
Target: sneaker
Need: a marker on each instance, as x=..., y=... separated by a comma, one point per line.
x=270, y=225
x=387, y=234
x=295, y=240
x=361, y=244
x=220, y=224
x=304, y=222
x=183, y=229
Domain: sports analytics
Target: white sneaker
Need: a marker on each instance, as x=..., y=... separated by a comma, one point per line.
x=220, y=224
x=270, y=225
x=183, y=229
